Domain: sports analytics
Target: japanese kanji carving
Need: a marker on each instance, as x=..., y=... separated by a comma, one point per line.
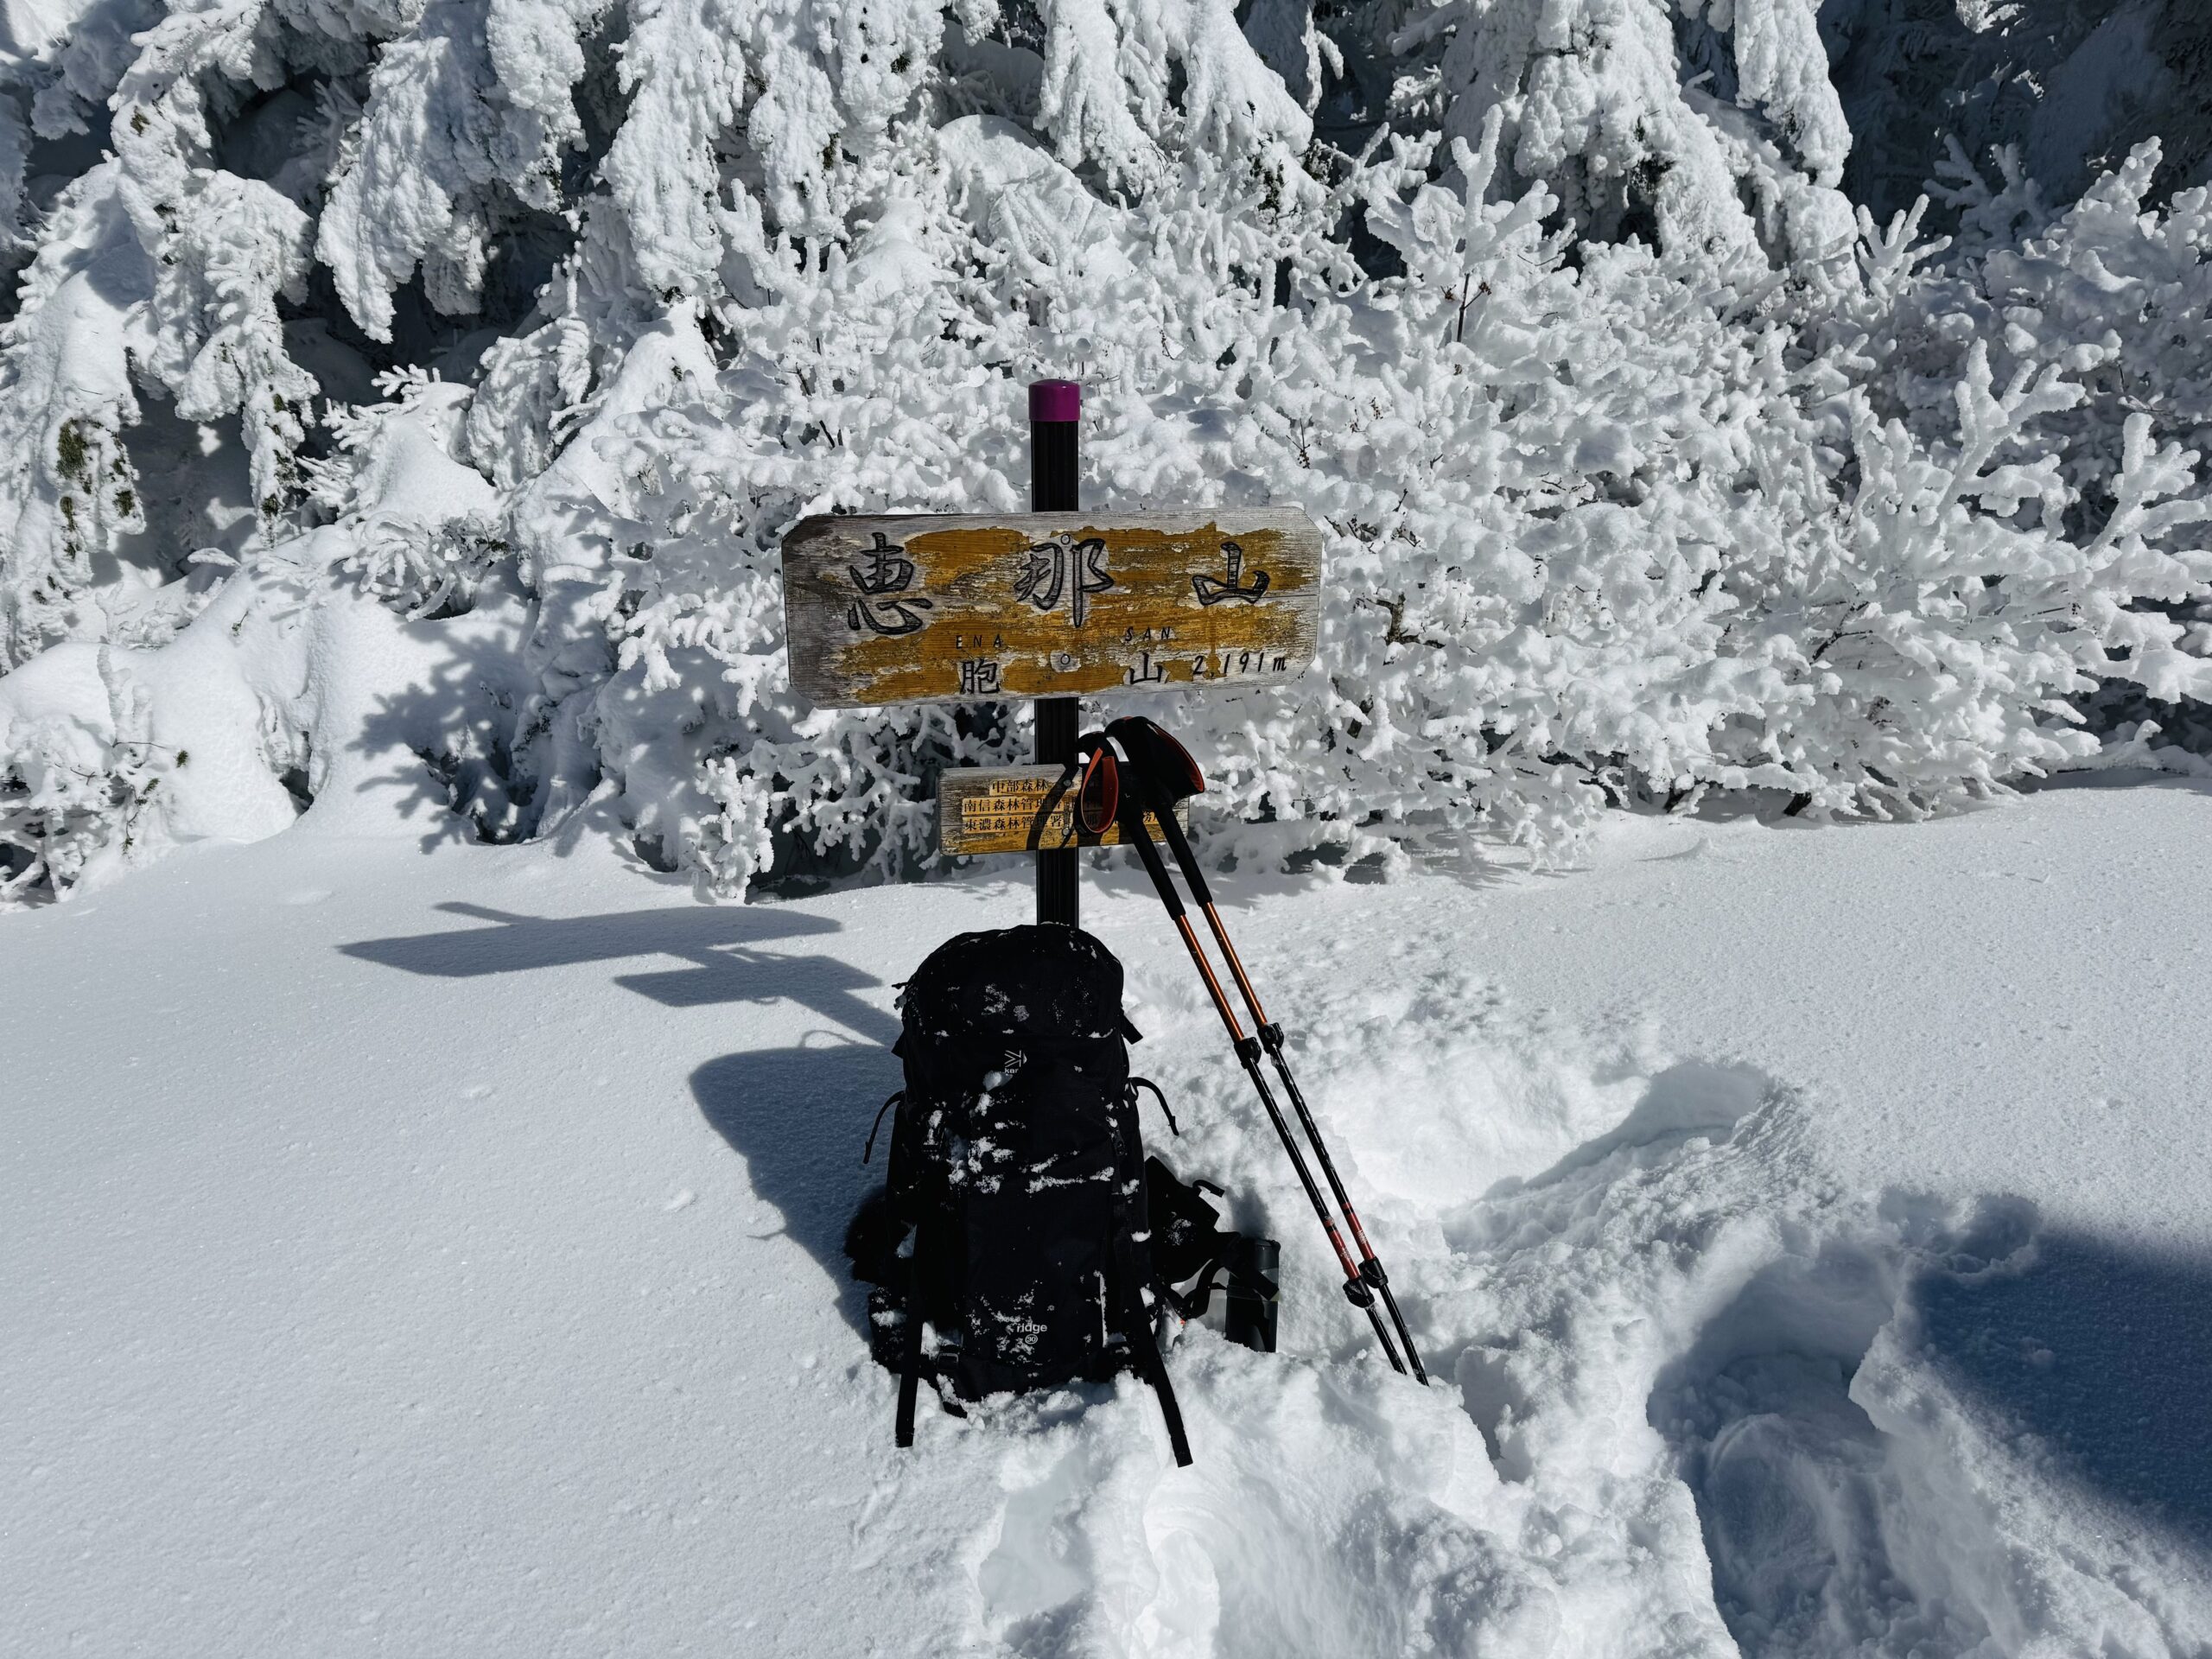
x=1212, y=590
x=1063, y=562
x=889, y=574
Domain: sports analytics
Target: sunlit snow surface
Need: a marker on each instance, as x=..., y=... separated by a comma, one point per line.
x=412, y=1246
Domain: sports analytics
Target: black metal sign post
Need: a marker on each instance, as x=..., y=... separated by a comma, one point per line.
x=1055, y=408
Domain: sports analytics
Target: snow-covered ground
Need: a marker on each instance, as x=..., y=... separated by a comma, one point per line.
x=419, y=1248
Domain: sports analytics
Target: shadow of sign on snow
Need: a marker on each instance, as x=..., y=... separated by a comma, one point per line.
x=800, y=1116
x=716, y=944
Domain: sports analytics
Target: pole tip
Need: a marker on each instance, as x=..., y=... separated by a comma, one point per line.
x=1055, y=400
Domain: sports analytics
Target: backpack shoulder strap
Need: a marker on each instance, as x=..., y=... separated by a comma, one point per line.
x=1145, y=1350
x=910, y=1363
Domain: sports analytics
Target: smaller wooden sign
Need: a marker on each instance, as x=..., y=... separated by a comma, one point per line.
x=1018, y=809
x=966, y=608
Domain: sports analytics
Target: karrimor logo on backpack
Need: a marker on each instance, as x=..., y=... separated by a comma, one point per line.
x=1014, y=1222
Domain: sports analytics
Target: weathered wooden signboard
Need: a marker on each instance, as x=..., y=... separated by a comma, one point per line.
x=923, y=607
x=1019, y=809
x=950, y=608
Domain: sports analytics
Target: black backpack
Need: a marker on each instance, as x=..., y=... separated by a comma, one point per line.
x=1017, y=1169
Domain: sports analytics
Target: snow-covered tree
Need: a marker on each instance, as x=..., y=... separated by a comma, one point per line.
x=1712, y=123
x=421, y=391
x=2071, y=86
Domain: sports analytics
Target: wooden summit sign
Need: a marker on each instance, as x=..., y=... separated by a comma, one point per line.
x=927, y=607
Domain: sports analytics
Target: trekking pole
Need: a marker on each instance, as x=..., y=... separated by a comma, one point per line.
x=1356, y=1290
x=1152, y=754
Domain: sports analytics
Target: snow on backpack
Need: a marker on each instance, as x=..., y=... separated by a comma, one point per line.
x=1018, y=1172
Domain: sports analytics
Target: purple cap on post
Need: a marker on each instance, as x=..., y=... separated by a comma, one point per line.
x=1054, y=400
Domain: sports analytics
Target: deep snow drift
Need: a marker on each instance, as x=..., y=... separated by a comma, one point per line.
x=418, y=1247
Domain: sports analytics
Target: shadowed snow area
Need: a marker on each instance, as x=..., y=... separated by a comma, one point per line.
x=419, y=1247
x=1953, y=1435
